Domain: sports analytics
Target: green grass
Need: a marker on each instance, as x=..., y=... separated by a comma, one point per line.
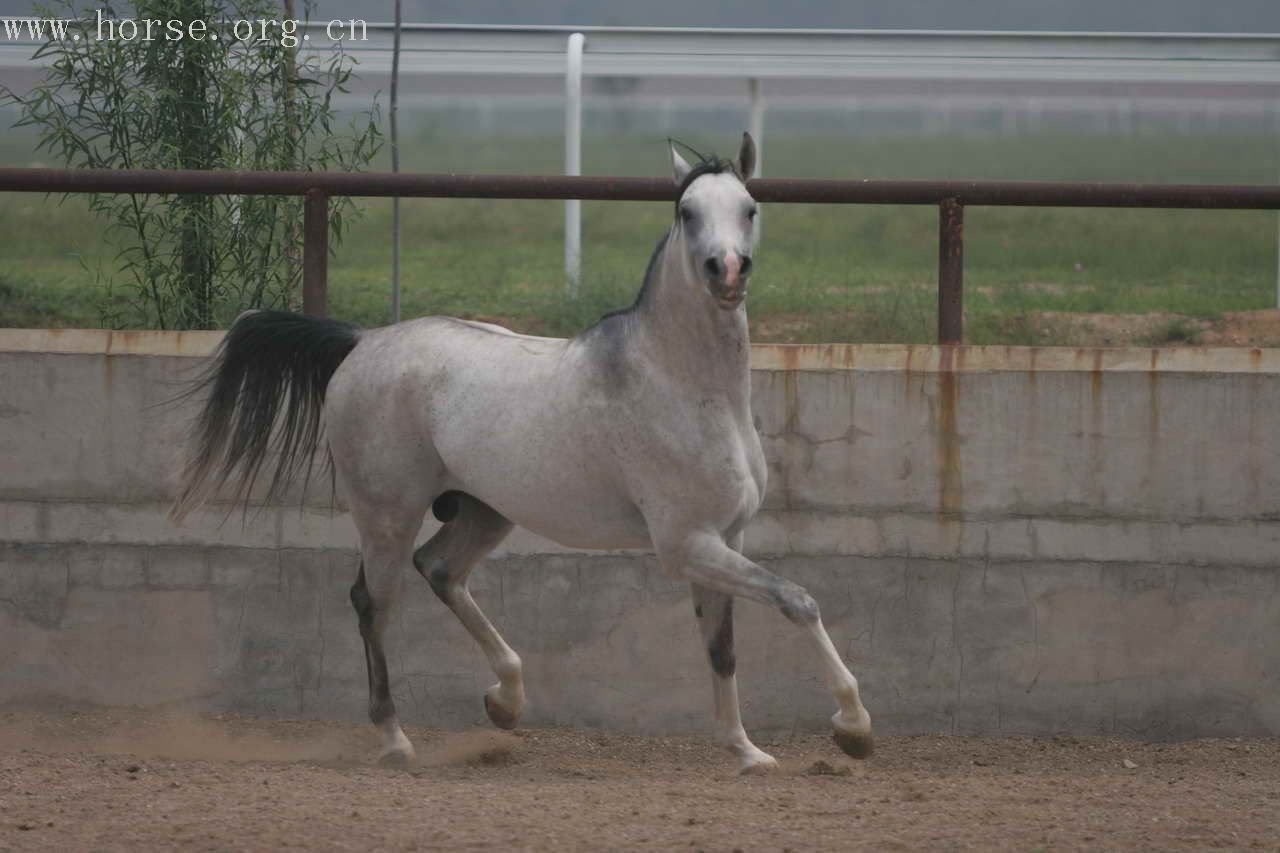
x=823, y=272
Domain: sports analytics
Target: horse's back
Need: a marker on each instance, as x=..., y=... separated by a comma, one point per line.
x=441, y=356
x=439, y=377
x=507, y=418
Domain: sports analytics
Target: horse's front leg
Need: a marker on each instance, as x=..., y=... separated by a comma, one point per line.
x=715, y=619
x=707, y=561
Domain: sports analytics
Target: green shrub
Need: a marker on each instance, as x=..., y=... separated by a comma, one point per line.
x=191, y=261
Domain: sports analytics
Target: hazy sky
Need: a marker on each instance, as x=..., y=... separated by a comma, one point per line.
x=1248, y=16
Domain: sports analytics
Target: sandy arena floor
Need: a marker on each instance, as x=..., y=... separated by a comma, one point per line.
x=131, y=780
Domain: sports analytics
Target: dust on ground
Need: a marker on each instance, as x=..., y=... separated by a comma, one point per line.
x=139, y=780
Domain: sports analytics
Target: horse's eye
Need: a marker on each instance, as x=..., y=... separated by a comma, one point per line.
x=751, y=214
x=686, y=215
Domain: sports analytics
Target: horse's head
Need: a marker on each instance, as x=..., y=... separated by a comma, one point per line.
x=715, y=215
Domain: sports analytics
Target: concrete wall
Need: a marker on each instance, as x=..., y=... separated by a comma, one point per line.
x=1002, y=540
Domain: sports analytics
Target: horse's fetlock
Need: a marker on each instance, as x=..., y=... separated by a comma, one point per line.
x=509, y=667
x=847, y=693
x=381, y=710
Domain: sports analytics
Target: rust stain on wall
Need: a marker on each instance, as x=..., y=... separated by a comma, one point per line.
x=790, y=358
x=950, y=479
x=1095, y=390
x=1153, y=399
x=107, y=364
x=1097, y=463
x=790, y=427
x=129, y=340
x=1256, y=446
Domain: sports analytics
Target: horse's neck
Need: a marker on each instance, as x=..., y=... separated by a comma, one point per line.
x=691, y=336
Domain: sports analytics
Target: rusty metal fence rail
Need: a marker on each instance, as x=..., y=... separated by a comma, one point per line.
x=950, y=197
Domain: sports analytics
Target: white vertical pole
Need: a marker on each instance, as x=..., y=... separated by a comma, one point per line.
x=395, y=167
x=573, y=160
x=757, y=133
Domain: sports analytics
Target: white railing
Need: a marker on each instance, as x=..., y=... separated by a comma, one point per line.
x=772, y=54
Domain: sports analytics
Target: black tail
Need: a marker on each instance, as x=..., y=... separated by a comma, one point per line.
x=266, y=390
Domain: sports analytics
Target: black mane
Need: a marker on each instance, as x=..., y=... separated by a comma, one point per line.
x=644, y=287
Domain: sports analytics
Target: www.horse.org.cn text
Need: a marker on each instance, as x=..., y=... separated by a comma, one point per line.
x=243, y=31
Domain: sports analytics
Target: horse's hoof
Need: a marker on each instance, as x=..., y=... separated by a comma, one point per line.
x=859, y=746
x=498, y=715
x=395, y=760
x=759, y=765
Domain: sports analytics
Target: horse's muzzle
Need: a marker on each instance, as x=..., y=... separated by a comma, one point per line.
x=727, y=279
x=731, y=296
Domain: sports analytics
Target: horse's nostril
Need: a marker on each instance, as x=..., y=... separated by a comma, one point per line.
x=746, y=266
x=713, y=267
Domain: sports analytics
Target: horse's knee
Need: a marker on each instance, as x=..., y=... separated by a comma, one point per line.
x=798, y=605
x=440, y=579
x=431, y=563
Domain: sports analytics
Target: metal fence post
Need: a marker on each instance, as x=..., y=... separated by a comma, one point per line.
x=315, y=252
x=950, y=271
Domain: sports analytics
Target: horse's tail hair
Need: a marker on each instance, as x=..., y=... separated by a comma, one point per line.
x=265, y=392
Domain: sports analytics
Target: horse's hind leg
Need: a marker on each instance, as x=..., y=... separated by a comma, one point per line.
x=445, y=560
x=386, y=549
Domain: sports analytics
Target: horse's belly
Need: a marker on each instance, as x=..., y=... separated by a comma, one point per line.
x=574, y=519
x=563, y=494
x=603, y=533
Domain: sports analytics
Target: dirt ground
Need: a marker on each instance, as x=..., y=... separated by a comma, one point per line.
x=133, y=780
x=1060, y=328
x=1231, y=329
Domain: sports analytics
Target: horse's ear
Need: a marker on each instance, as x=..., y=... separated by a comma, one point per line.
x=679, y=166
x=747, y=157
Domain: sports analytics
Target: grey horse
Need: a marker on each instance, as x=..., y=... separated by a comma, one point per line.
x=637, y=433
